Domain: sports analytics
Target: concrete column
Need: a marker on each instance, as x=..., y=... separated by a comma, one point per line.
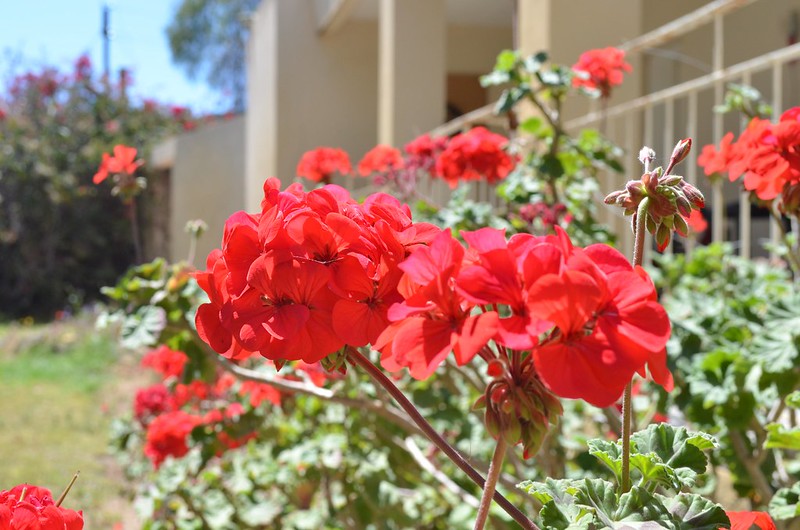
x=411, y=68
x=261, y=119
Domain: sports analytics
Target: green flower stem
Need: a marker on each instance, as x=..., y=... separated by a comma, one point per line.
x=379, y=377
x=495, y=469
x=627, y=409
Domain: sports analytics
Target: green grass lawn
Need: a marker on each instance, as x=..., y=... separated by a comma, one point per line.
x=60, y=385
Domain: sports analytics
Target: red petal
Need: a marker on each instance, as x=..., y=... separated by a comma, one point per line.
x=475, y=332
x=587, y=369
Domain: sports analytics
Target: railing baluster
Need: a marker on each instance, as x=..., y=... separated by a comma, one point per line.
x=691, y=170
x=669, y=142
x=717, y=191
x=745, y=218
x=631, y=169
x=777, y=106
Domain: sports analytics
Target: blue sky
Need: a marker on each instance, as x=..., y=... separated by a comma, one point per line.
x=56, y=32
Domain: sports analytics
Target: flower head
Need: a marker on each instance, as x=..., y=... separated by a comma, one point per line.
x=319, y=164
x=670, y=199
x=380, y=159
x=601, y=69
x=474, y=155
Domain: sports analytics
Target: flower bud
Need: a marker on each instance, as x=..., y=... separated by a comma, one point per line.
x=662, y=237
x=680, y=152
x=694, y=195
x=612, y=197
x=671, y=180
x=683, y=205
x=681, y=226
x=495, y=368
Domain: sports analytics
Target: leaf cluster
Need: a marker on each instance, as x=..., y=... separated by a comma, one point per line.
x=667, y=459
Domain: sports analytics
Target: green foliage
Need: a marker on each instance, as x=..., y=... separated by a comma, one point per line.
x=208, y=38
x=735, y=349
x=744, y=99
x=786, y=503
x=555, y=182
x=665, y=457
x=62, y=237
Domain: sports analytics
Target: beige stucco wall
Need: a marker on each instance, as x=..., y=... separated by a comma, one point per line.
x=207, y=182
x=306, y=90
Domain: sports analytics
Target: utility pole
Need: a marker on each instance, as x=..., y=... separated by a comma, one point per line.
x=106, y=32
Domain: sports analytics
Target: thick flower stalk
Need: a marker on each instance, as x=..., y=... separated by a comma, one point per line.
x=660, y=203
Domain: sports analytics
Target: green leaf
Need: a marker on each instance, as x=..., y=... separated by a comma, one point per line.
x=534, y=62
x=639, y=505
x=693, y=511
x=793, y=400
x=560, y=491
x=786, y=503
x=779, y=437
x=506, y=60
x=143, y=327
x=609, y=453
x=532, y=125
x=677, y=454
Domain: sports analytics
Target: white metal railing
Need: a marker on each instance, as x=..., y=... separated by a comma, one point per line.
x=680, y=110
x=643, y=110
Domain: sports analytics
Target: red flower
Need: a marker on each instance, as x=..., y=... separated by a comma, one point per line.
x=194, y=391
x=165, y=361
x=423, y=150
x=124, y=160
x=318, y=165
x=151, y=402
x=166, y=436
x=287, y=313
x=260, y=392
x=697, y=223
x=609, y=327
x=767, y=154
x=716, y=161
x=499, y=277
x=603, y=69
x=434, y=319
x=27, y=507
x=380, y=159
x=751, y=521
x=102, y=171
x=474, y=155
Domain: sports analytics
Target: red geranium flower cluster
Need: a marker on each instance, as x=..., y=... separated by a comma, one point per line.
x=151, y=402
x=310, y=273
x=423, y=151
x=165, y=361
x=602, y=69
x=123, y=162
x=766, y=154
x=380, y=159
x=318, y=165
x=474, y=155
x=27, y=507
x=315, y=271
x=590, y=319
x=166, y=436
